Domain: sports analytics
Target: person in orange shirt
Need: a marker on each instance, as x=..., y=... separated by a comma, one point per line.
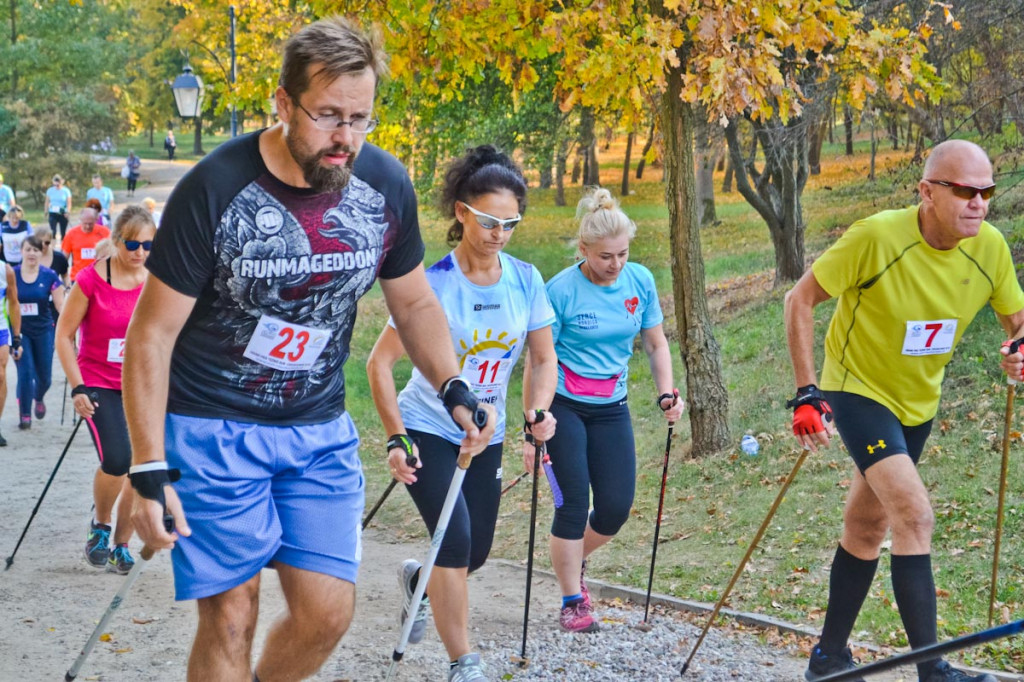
x=79, y=245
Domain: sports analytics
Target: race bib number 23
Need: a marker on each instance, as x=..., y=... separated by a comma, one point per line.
x=929, y=337
x=286, y=346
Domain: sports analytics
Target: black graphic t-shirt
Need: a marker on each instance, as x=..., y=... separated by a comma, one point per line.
x=277, y=272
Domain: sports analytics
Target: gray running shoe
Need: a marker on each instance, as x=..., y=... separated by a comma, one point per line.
x=406, y=571
x=944, y=672
x=823, y=665
x=120, y=560
x=468, y=669
x=97, y=544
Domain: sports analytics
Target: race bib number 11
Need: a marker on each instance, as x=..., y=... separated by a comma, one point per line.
x=286, y=346
x=929, y=337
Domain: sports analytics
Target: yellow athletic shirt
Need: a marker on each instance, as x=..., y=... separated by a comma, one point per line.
x=903, y=307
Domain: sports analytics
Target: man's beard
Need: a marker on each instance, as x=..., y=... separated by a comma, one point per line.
x=319, y=177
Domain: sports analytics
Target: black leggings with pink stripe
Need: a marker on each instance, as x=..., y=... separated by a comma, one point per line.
x=109, y=432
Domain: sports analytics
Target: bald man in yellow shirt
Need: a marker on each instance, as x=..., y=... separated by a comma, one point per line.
x=908, y=284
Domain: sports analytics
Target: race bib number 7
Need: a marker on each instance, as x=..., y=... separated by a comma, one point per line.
x=286, y=346
x=929, y=337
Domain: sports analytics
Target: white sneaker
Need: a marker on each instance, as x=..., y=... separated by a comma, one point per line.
x=469, y=669
x=406, y=571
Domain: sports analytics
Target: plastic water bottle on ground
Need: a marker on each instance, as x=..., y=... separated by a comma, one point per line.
x=750, y=445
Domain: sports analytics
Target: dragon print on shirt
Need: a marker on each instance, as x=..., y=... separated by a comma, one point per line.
x=278, y=258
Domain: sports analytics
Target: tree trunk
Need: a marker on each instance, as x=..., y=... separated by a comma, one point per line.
x=848, y=126
x=705, y=174
x=625, y=165
x=647, y=148
x=588, y=148
x=197, y=141
x=816, y=133
x=151, y=131
x=705, y=388
x=14, y=40
x=577, y=167
x=775, y=191
x=727, y=180
x=874, y=151
x=561, y=157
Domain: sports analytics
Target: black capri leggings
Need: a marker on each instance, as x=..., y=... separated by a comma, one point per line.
x=592, y=448
x=467, y=542
x=109, y=432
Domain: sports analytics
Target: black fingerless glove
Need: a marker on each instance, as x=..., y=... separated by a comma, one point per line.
x=455, y=392
x=149, y=480
x=403, y=443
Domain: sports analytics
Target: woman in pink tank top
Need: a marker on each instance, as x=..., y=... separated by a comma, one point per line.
x=100, y=306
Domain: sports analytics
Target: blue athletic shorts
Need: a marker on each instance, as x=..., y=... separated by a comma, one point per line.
x=254, y=494
x=5, y=337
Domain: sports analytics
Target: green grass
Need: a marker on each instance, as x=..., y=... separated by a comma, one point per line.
x=714, y=505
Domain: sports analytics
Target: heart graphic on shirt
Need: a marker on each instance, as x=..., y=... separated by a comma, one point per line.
x=631, y=304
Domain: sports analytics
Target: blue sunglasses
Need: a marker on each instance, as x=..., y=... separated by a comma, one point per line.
x=133, y=245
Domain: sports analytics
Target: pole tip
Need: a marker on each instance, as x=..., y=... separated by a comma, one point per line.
x=10, y=560
x=68, y=676
x=685, y=667
x=643, y=626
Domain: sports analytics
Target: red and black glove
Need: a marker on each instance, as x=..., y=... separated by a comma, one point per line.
x=811, y=412
x=1013, y=345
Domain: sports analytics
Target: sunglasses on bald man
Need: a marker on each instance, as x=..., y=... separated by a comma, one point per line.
x=966, y=192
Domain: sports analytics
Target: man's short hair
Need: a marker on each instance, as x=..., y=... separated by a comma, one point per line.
x=338, y=46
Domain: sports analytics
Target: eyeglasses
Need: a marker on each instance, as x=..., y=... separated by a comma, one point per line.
x=966, y=192
x=333, y=122
x=46, y=243
x=133, y=245
x=489, y=222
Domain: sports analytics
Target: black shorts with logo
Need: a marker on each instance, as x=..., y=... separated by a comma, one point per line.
x=871, y=432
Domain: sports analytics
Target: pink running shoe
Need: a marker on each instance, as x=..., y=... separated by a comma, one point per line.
x=577, y=617
x=583, y=585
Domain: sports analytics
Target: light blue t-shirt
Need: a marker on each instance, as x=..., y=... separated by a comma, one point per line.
x=103, y=195
x=6, y=197
x=59, y=198
x=489, y=325
x=596, y=325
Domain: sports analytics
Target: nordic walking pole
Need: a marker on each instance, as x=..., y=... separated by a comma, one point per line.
x=64, y=401
x=410, y=459
x=1011, y=388
x=537, y=449
x=514, y=482
x=144, y=556
x=454, y=488
x=661, y=507
x=10, y=560
x=929, y=652
x=746, y=557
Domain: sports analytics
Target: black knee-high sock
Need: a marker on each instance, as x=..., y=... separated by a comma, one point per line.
x=914, y=588
x=848, y=587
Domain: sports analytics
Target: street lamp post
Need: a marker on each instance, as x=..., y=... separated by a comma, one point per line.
x=234, y=73
x=188, y=87
x=188, y=97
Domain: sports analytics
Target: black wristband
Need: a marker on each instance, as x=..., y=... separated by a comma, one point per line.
x=15, y=341
x=80, y=389
x=150, y=484
x=807, y=395
x=455, y=392
x=404, y=443
x=661, y=399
